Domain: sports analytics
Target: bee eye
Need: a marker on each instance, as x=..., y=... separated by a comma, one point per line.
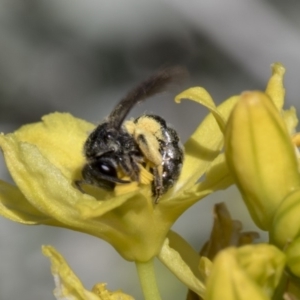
x=107, y=169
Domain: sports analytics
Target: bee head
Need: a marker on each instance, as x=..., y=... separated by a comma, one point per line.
x=104, y=139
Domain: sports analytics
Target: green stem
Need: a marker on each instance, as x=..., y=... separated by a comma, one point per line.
x=148, y=280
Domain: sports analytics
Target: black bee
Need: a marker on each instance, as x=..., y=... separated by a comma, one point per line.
x=116, y=145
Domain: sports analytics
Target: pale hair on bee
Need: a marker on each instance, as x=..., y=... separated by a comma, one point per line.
x=116, y=146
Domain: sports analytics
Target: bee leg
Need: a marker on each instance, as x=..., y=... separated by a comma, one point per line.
x=149, y=145
x=157, y=185
x=130, y=167
x=135, y=161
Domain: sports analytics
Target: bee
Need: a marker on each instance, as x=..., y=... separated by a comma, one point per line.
x=116, y=145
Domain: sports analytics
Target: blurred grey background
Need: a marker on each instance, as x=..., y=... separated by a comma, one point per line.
x=83, y=56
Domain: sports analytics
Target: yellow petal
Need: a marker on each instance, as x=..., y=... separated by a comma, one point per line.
x=260, y=155
x=14, y=206
x=60, y=132
x=201, y=96
x=172, y=259
x=275, y=88
x=217, y=177
x=45, y=187
x=290, y=119
x=100, y=290
x=68, y=286
x=203, y=146
x=186, y=251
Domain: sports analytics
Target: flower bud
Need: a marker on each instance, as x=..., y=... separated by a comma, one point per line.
x=248, y=272
x=260, y=155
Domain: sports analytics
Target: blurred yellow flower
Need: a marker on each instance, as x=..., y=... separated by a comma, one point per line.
x=69, y=287
x=245, y=273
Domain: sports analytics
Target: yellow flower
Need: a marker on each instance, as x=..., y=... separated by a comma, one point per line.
x=68, y=286
x=245, y=273
x=45, y=158
x=260, y=152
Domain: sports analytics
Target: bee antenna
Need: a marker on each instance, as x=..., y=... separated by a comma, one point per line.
x=155, y=84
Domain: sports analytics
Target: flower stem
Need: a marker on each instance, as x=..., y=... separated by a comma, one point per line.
x=148, y=280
